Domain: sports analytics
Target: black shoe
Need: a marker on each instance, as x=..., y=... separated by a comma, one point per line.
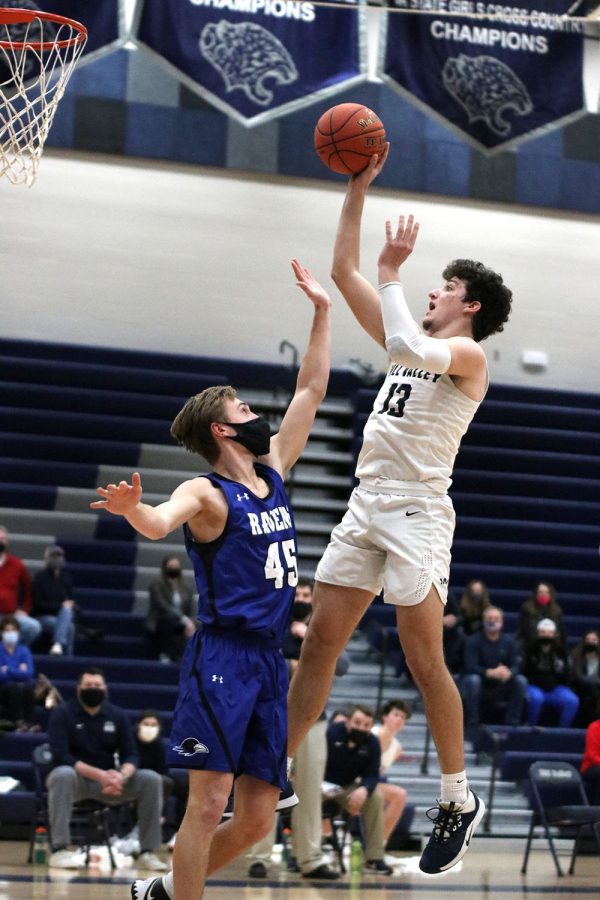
x=378, y=867
x=324, y=872
x=150, y=889
x=451, y=836
x=287, y=798
x=257, y=870
x=292, y=864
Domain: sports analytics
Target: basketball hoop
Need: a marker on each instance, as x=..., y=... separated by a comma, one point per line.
x=38, y=52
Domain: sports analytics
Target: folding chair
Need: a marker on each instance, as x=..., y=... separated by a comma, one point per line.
x=343, y=825
x=558, y=800
x=93, y=816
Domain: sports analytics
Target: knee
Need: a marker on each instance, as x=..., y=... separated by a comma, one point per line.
x=62, y=778
x=148, y=780
x=425, y=669
x=398, y=796
x=205, y=814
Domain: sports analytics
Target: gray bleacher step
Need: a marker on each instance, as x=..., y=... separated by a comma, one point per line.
x=27, y=546
x=44, y=522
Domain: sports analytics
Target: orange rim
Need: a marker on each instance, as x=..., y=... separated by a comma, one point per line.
x=17, y=16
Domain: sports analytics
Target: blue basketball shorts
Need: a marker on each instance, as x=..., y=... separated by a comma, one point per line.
x=231, y=712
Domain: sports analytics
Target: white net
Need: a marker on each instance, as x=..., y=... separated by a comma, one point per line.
x=37, y=58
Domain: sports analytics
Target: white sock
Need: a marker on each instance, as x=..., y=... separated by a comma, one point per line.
x=168, y=884
x=290, y=762
x=455, y=788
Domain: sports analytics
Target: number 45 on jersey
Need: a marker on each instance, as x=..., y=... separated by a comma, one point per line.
x=281, y=561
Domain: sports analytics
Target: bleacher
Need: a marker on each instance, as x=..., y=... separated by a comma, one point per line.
x=526, y=492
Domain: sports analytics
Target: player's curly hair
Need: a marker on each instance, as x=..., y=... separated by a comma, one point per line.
x=191, y=425
x=487, y=286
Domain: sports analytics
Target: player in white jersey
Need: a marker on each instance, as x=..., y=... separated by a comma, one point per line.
x=398, y=530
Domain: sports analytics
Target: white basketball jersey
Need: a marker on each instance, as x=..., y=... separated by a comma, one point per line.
x=412, y=436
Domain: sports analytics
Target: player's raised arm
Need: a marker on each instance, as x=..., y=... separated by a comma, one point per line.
x=311, y=384
x=360, y=295
x=153, y=522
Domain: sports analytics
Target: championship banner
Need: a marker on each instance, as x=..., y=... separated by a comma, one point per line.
x=499, y=74
x=104, y=20
x=256, y=59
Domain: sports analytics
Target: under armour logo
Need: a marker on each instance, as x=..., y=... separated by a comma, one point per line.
x=243, y=496
x=443, y=581
x=218, y=678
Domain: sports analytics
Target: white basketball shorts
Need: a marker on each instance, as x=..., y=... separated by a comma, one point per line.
x=391, y=541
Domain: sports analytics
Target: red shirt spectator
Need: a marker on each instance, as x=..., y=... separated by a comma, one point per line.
x=15, y=582
x=591, y=754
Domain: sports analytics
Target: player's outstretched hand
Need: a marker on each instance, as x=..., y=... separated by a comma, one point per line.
x=311, y=287
x=121, y=498
x=399, y=246
x=376, y=164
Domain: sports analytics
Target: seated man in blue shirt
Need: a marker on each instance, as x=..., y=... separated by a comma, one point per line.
x=95, y=758
x=491, y=672
x=353, y=762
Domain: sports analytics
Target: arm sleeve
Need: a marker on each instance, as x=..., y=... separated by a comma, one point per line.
x=25, y=589
x=403, y=340
x=127, y=747
x=472, y=661
x=58, y=737
x=370, y=776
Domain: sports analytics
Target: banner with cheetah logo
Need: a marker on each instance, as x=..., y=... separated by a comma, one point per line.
x=256, y=59
x=499, y=74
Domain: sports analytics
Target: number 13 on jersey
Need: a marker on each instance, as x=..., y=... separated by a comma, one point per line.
x=277, y=568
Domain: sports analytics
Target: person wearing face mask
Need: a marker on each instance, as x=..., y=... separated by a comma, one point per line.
x=546, y=666
x=15, y=591
x=170, y=620
x=17, y=671
x=473, y=603
x=231, y=714
x=94, y=757
x=52, y=601
x=151, y=751
x=492, y=674
x=353, y=763
x=542, y=604
x=590, y=764
x=585, y=671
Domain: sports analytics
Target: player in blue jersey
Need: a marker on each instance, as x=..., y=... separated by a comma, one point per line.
x=231, y=713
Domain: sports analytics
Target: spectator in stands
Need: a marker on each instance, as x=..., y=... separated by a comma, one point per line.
x=151, y=753
x=52, y=601
x=309, y=767
x=546, y=668
x=17, y=673
x=394, y=716
x=87, y=736
x=475, y=599
x=353, y=763
x=590, y=764
x=541, y=605
x=585, y=673
x=492, y=674
x=170, y=620
x=15, y=591
x=454, y=635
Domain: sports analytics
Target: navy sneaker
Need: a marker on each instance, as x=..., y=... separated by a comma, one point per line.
x=452, y=832
x=150, y=889
x=287, y=799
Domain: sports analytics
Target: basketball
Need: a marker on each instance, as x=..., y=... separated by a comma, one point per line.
x=347, y=135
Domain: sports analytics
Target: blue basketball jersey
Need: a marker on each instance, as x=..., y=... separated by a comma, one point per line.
x=246, y=578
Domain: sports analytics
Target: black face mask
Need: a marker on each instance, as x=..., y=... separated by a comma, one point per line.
x=91, y=696
x=546, y=642
x=2, y=547
x=591, y=648
x=173, y=573
x=358, y=737
x=254, y=435
x=300, y=610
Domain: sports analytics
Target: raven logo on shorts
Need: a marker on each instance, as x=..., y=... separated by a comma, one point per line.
x=190, y=747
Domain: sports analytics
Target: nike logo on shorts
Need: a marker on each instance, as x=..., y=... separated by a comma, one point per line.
x=412, y=512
